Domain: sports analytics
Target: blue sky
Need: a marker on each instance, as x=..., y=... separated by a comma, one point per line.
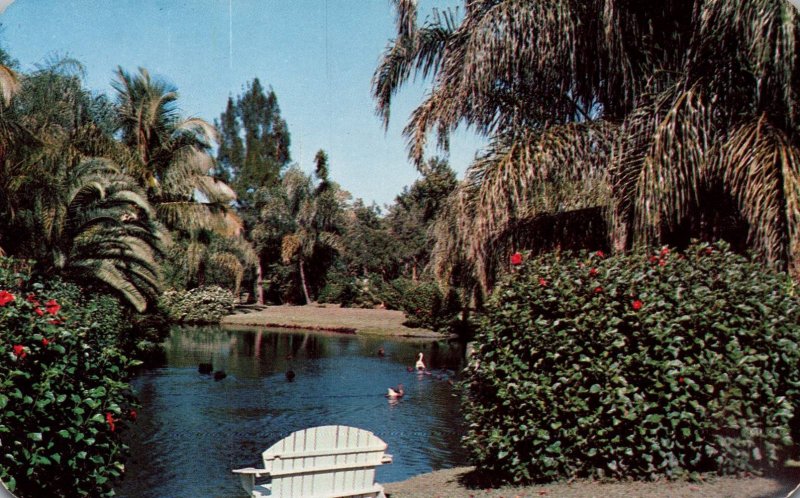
x=317, y=55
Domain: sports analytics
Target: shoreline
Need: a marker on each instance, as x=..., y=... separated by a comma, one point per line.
x=329, y=318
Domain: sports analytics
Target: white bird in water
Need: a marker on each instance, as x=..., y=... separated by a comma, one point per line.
x=397, y=392
x=420, y=364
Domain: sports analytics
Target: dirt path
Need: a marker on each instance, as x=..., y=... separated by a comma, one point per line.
x=330, y=318
x=450, y=484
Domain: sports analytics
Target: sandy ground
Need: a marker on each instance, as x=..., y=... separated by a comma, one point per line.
x=328, y=317
x=459, y=482
x=452, y=483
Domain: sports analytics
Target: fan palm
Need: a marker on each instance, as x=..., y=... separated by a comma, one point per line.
x=672, y=118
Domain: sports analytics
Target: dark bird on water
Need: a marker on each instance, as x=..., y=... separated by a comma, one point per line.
x=381, y=353
x=204, y=368
x=219, y=375
x=290, y=375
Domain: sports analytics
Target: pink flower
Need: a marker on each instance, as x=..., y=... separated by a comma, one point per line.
x=516, y=259
x=637, y=305
x=5, y=297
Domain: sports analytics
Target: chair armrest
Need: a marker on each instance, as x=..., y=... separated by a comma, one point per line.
x=386, y=459
x=252, y=471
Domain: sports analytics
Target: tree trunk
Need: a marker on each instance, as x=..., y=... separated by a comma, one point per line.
x=303, y=281
x=260, y=282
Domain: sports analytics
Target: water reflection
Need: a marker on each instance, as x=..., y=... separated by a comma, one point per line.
x=192, y=429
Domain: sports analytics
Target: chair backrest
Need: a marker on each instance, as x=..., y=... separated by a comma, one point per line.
x=331, y=459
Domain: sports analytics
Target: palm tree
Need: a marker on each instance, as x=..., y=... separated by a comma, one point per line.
x=304, y=219
x=667, y=120
x=72, y=211
x=170, y=157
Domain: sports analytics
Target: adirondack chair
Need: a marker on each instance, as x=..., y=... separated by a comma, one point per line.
x=328, y=461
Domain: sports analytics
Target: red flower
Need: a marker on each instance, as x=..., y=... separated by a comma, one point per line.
x=600, y=254
x=593, y=272
x=598, y=290
x=637, y=305
x=55, y=322
x=516, y=259
x=31, y=298
x=665, y=251
x=133, y=414
x=653, y=259
x=680, y=380
x=38, y=311
x=110, y=421
x=662, y=262
x=45, y=341
x=542, y=282
x=709, y=250
x=5, y=297
x=52, y=306
x=19, y=351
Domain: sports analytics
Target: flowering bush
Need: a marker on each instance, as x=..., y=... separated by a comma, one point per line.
x=639, y=365
x=200, y=305
x=64, y=394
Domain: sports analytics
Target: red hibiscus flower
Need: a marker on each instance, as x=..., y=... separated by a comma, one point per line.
x=5, y=297
x=600, y=254
x=31, y=298
x=110, y=421
x=19, y=351
x=598, y=290
x=653, y=259
x=133, y=414
x=52, y=306
x=665, y=251
x=45, y=341
x=38, y=311
x=662, y=262
x=680, y=380
x=637, y=305
x=55, y=322
x=516, y=259
x=542, y=282
x=593, y=272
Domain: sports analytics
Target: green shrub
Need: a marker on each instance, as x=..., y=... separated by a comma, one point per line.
x=639, y=365
x=423, y=303
x=200, y=305
x=64, y=395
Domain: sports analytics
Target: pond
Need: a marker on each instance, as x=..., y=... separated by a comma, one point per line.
x=192, y=429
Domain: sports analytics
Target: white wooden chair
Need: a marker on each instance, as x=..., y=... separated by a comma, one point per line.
x=320, y=462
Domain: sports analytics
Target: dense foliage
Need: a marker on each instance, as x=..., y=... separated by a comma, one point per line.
x=64, y=396
x=198, y=305
x=636, y=365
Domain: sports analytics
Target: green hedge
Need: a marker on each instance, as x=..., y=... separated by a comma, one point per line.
x=640, y=365
x=200, y=305
x=64, y=395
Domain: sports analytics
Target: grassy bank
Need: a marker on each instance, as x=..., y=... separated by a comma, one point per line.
x=329, y=318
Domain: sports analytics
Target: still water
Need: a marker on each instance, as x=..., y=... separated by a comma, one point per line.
x=192, y=430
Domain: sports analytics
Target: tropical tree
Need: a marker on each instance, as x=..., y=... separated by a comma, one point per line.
x=69, y=207
x=655, y=121
x=305, y=218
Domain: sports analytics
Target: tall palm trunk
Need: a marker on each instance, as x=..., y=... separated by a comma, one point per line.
x=260, y=282
x=303, y=281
